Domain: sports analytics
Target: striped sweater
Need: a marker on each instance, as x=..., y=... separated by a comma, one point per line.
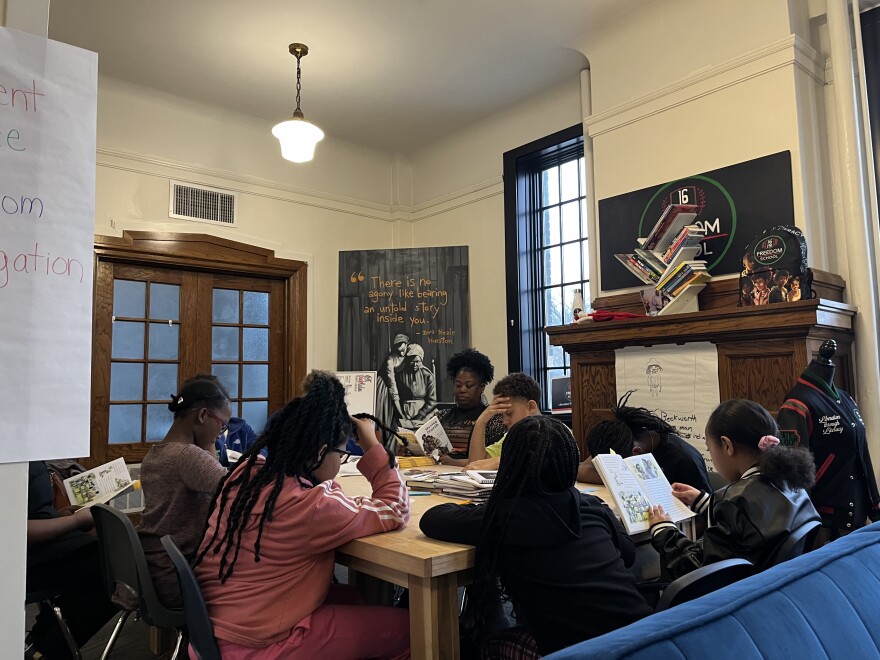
x=262, y=602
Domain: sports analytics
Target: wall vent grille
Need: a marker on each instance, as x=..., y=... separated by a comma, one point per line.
x=202, y=204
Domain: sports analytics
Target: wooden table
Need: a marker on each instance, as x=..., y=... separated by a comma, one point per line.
x=431, y=570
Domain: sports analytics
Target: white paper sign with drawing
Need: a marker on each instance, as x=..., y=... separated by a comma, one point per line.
x=48, y=108
x=679, y=384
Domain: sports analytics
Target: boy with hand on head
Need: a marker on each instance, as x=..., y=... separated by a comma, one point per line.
x=516, y=397
x=635, y=431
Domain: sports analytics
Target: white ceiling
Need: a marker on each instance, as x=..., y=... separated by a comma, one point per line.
x=391, y=74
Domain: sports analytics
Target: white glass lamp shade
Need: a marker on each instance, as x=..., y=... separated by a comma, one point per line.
x=298, y=139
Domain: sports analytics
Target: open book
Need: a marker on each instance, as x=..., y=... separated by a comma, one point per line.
x=635, y=484
x=98, y=485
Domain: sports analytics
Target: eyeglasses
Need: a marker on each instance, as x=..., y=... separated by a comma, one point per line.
x=344, y=455
x=223, y=425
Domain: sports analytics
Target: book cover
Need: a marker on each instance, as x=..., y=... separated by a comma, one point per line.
x=98, y=485
x=432, y=437
x=635, y=484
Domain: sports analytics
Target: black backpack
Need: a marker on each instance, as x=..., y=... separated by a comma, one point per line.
x=775, y=268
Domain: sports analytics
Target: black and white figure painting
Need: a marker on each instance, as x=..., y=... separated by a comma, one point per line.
x=403, y=313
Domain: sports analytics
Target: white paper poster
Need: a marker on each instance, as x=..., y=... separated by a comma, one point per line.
x=360, y=391
x=679, y=384
x=48, y=107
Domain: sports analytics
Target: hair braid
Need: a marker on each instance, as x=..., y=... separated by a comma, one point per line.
x=540, y=457
x=293, y=437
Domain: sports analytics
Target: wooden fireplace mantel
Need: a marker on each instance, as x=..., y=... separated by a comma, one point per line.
x=761, y=350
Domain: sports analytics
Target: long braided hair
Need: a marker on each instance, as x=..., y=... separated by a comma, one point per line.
x=540, y=457
x=293, y=438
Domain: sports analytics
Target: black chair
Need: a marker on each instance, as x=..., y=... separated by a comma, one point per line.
x=122, y=557
x=704, y=580
x=198, y=623
x=47, y=599
x=796, y=544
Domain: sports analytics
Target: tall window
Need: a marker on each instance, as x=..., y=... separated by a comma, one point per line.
x=547, y=253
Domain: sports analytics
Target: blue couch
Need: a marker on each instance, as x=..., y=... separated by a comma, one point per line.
x=825, y=604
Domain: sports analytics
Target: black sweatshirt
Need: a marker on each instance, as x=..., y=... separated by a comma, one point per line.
x=563, y=562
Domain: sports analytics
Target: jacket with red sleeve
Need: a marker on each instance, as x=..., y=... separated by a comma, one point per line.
x=826, y=420
x=261, y=602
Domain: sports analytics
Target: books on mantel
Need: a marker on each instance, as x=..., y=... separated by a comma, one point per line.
x=665, y=260
x=686, y=245
x=636, y=483
x=640, y=267
x=682, y=275
x=673, y=218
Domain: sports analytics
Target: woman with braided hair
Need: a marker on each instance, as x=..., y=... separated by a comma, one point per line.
x=266, y=561
x=561, y=555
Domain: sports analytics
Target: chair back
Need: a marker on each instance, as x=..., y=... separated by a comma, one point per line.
x=704, y=580
x=123, y=560
x=198, y=622
x=796, y=543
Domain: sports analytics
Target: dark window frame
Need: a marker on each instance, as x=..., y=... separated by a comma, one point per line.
x=523, y=240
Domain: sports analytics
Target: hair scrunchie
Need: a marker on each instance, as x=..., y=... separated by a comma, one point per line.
x=768, y=441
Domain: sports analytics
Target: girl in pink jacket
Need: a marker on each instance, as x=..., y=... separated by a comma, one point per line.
x=266, y=562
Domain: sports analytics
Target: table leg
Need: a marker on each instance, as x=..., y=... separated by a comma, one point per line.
x=433, y=617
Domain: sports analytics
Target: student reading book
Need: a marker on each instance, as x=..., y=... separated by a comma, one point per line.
x=635, y=431
x=637, y=483
x=765, y=501
x=561, y=555
x=98, y=485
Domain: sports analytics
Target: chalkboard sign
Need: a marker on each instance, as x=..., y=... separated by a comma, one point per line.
x=403, y=313
x=735, y=202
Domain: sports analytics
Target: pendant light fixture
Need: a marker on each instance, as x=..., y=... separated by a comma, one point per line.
x=297, y=136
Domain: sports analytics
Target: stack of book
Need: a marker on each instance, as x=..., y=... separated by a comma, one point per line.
x=682, y=276
x=665, y=259
x=475, y=486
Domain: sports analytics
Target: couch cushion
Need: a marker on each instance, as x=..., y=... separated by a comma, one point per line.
x=821, y=605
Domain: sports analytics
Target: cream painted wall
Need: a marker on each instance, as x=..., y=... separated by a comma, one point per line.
x=480, y=226
x=145, y=122
x=340, y=201
x=473, y=156
x=669, y=40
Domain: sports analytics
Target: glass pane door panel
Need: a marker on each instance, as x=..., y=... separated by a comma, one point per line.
x=225, y=308
x=255, y=381
x=164, y=341
x=128, y=340
x=165, y=301
x=255, y=413
x=256, y=308
x=126, y=381
x=129, y=298
x=161, y=381
x=255, y=345
x=125, y=423
x=159, y=420
x=228, y=375
x=225, y=343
